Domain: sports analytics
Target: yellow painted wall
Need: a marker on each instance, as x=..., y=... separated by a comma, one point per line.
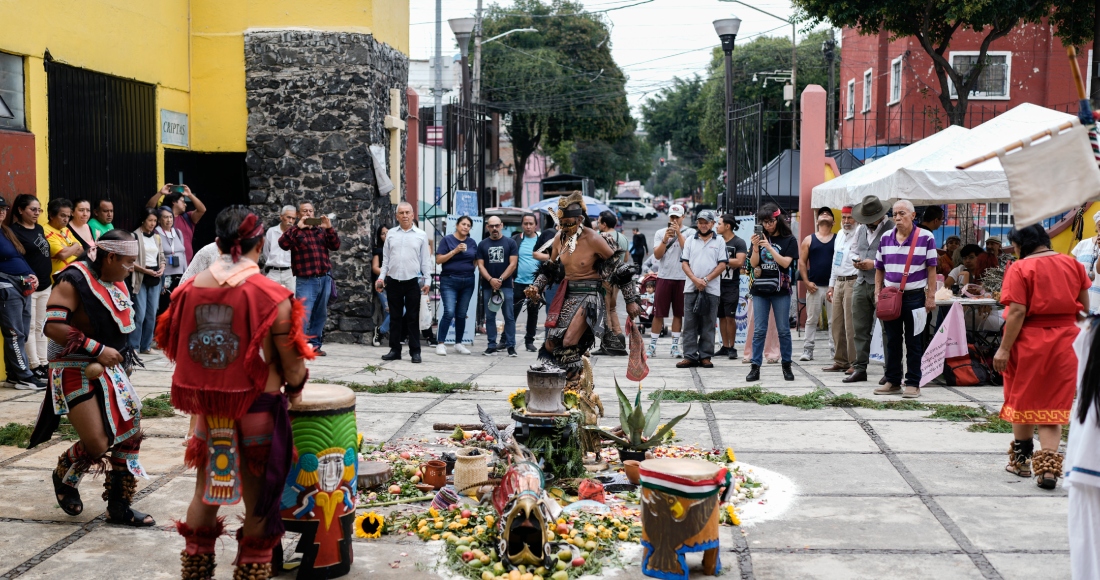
x=192, y=50
x=1065, y=241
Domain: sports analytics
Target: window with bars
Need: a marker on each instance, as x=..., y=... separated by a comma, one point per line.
x=11, y=93
x=895, y=81
x=851, y=108
x=993, y=81
x=866, y=91
x=1000, y=214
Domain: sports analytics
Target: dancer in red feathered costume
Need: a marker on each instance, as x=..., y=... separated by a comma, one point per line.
x=236, y=338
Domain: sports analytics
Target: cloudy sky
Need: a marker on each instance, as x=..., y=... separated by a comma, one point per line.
x=652, y=41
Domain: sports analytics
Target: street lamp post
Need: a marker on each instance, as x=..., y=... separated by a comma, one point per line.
x=829, y=49
x=727, y=31
x=462, y=29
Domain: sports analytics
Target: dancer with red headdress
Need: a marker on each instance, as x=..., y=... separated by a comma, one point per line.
x=236, y=338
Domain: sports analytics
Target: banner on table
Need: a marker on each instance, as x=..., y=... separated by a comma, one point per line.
x=471, y=311
x=948, y=342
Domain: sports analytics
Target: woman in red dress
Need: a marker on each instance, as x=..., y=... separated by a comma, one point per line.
x=1045, y=294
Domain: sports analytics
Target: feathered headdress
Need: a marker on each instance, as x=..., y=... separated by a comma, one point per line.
x=574, y=197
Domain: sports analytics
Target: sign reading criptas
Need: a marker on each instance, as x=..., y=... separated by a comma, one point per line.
x=173, y=128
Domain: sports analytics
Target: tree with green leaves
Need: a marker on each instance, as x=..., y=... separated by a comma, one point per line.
x=935, y=23
x=554, y=86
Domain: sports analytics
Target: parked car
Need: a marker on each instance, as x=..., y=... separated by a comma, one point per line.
x=633, y=209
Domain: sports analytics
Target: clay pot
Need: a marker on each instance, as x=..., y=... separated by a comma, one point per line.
x=435, y=473
x=424, y=487
x=632, y=474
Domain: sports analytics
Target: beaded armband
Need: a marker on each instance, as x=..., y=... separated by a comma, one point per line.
x=58, y=314
x=93, y=347
x=295, y=389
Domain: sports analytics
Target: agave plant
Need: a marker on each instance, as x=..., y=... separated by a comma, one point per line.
x=640, y=427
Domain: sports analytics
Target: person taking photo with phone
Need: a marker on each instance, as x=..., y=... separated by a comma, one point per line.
x=773, y=253
x=309, y=242
x=668, y=246
x=176, y=198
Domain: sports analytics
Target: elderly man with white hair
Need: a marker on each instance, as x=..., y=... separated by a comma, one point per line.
x=906, y=260
x=276, y=259
x=1086, y=253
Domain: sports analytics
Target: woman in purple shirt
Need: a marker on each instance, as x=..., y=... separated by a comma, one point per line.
x=456, y=252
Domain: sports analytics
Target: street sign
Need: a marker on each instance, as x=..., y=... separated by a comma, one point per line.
x=466, y=203
x=435, y=135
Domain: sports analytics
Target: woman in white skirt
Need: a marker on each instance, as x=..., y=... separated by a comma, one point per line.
x=1082, y=461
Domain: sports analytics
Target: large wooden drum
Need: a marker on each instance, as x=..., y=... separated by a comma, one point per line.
x=680, y=515
x=320, y=495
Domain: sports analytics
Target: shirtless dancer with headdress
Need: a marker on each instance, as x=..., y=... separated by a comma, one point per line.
x=236, y=338
x=581, y=260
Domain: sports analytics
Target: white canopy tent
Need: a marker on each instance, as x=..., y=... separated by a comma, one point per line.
x=925, y=172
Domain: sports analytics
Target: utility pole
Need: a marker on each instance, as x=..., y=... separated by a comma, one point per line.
x=476, y=94
x=437, y=91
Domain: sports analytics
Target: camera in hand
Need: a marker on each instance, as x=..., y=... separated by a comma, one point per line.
x=178, y=189
x=314, y=221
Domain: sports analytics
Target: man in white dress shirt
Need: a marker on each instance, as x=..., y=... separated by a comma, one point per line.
x=276, y=259
x=405, y=256
x=842, y=282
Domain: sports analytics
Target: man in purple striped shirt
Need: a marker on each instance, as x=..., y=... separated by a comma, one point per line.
x=890, y=261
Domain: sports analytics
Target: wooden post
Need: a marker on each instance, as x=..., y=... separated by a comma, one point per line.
x=395, y=126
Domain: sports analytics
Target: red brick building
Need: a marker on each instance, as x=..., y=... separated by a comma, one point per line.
x=889, y=93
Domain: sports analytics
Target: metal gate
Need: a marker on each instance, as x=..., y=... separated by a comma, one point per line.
x=746, y=125
x=102, y=139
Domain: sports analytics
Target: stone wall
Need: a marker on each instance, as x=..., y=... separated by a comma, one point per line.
x=316, y=102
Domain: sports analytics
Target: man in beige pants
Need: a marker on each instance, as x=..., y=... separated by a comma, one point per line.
x=841, y=284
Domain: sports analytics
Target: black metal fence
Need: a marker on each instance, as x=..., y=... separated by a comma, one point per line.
x=467, y=131
x=102, y=139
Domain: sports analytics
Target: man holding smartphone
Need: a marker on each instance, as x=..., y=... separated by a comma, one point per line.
x=176, y=198
x=668, y=247
x=309, y=242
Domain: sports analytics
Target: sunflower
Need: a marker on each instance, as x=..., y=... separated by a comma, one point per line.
x=571, y=399
x=518, y=399
x=668, y=436
x=731, y=512
x=369, y=525
x=730, y=455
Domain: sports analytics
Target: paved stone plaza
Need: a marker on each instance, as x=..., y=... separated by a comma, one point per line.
x=878, y=494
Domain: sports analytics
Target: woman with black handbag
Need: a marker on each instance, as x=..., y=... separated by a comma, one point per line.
x=774, y=251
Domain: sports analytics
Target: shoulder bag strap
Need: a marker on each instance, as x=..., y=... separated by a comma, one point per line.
x=909, y=261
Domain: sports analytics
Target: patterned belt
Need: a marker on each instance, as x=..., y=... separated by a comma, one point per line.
x=585, y=286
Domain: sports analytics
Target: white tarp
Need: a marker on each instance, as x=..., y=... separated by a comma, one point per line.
x=925, y=172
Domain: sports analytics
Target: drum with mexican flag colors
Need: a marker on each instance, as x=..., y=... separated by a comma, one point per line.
x=680, y=500
x=320, y=494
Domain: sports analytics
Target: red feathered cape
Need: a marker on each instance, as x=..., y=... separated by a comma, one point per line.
x=214, y=335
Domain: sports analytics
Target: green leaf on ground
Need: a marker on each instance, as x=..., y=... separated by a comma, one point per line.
x=158, y=406
x=424, y=385
x=15, y=435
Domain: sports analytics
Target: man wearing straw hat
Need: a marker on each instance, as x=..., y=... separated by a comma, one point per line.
x=871, y=214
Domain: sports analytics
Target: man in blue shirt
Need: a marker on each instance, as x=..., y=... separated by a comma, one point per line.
x=497, y=258
x=525, y=275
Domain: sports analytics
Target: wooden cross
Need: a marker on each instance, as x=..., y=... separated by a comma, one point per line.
x=395, y=126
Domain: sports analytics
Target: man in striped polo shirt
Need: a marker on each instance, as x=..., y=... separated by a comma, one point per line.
x=890, y=261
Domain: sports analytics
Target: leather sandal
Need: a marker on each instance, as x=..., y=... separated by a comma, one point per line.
x=1019, y=457
x=68, y=497
x=1047, y=466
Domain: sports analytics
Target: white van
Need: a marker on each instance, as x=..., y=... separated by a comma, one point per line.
x=633, y=209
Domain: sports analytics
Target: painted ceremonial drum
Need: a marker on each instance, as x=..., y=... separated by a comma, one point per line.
x=320, y=494
x=680, y=515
